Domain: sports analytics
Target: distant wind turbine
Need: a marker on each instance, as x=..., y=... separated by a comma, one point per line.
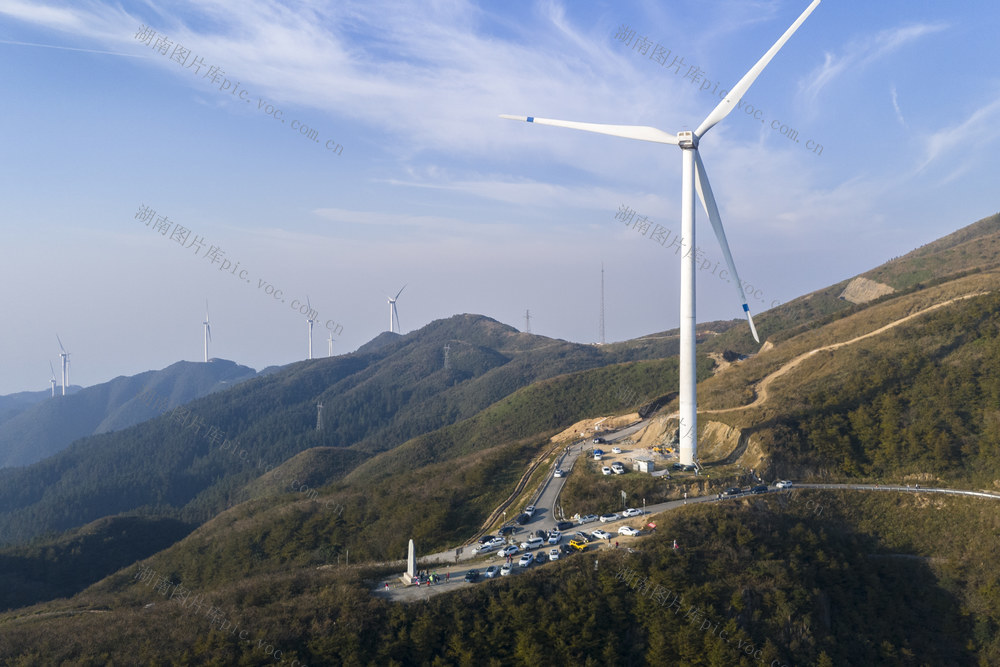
x=208, y=330
x=53, y=380
x=392, y=310
x=311, y=321
x=65, y=365
x=693, y=179
x=329, y=341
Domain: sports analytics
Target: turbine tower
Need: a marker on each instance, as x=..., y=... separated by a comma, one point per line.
x=53, y=380
x=311, y=321
x=527, y=321
x=208, y=330
x=329, y=341
x=392, y=310
x=693, y=179
x=65, y=365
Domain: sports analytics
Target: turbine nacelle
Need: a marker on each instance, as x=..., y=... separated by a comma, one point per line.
x=687, y=139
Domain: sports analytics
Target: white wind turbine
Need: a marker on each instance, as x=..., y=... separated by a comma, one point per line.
x=392, y=310
x=53, y=380
x=65, y=365
x=693, y=179
x=208, y=330
x=311, y=321
x=329, y=341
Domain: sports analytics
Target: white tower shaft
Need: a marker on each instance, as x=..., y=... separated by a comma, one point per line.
x=688, y=380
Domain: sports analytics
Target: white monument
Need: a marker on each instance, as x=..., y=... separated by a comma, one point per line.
x=411, y=565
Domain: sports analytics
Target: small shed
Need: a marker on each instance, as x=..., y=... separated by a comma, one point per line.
x=643, y=465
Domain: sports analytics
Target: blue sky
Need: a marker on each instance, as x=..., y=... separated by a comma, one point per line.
x=430, y=189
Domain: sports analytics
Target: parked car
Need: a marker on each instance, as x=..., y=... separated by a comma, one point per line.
x=554, y=537
x=577, y=545
x=629, y=530
x=564, y=525
x=617, y=468
x=526, y=560
x=677, y=466
x=508, y=551
x=606, y=470
x=631, y=511
x=616, y=450
x=522, y=519
x=530, y=510
x=506, y=569
x=732, y=491
x=532, y=543
x=599, y=441
x=484, y=549
x=554, y=554
x=491, y=571
x=783, y=484
x=540, y=557
x=580, y=535
x=497, y=542
x=598, y=454
x=601, y=534
x=760, y=488
x=609, y=517
x=588, y=519
x=508, y=530
x=559, y=473
x=542, y=534
x=485, y=538
x=472, y=575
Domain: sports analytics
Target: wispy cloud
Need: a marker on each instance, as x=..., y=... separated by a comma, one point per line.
x=973, y=136
x=895, y=105
x=862, y=52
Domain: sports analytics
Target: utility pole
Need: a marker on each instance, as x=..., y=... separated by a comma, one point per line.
x=602, y=303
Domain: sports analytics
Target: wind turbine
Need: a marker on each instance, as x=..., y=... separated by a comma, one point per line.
x=329, y=342
x=65, y=365
x=693, y=179
x=310, y=320
x=392, y=309
x=53, y=380
x=208, y=330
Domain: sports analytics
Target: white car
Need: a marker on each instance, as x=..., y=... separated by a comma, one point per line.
x=496, y=542
x=526, y=560
x=483, y=548
x=617, y=468
x=609, y=517
x=553, y=554
x=507, y=551
x=616, y=450
x=554, y=536
x=506, y=569
x=606, y=470
x=587, y=519
x=783, y=484
x=628, y=530
x=530, y=510
x=601, y=534
x=559, y=473
x=631, y=511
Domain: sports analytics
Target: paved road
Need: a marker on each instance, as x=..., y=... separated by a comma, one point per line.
x=448, y=564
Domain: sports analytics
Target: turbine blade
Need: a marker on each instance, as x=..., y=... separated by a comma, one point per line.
x=52, y=370
x=739, y=90
x=399, y=292
x=704, y=190
x=396, y=312
x=640, y=132
x=60, y=344
x=208, y=330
